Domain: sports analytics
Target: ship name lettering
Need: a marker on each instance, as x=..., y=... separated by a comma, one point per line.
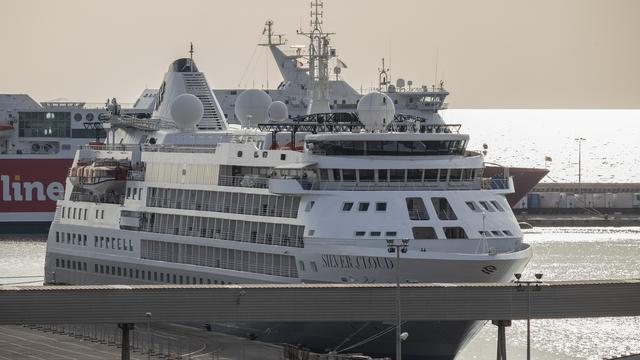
x=355, y=262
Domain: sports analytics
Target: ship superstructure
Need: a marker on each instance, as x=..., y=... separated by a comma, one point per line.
x=311, y=200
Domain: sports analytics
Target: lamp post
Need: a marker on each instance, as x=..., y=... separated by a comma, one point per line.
x=148, y=315
x=580, y=140
x=521, y=288
x=401, y=247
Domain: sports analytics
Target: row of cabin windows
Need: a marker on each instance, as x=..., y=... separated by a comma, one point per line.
x=134, y=193
x=490, y=206
x=112, y=243
x=364, y=206
x=71, y=264
x=71, y=238
x=376, y=233
x=429, y=233
x=69, y=212
x=387, y=148
x=314, y=266
x=264, y=155
x=400, y=175
x=496, y=233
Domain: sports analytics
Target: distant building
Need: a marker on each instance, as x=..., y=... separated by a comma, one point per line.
x=589, y=195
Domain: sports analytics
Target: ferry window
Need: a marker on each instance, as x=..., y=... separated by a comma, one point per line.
x=95, y=268
x=283, y=157
x=424, y=233
x=101, y=269
x=485, y=205
x=312, y=232
x=41, y=124
x=472, y=205
x=405, y=147
x=383, y=175
x=162, y=277
x=360, y=233
x=84, y=240
x=397, y=175
x=74, y=213
x=85, y=214
x=443, y=209
x=239, y=153
x=135, y=193
x=389, y=147
x=374, y=148
x=63, y=212
x=102, y=214
x=366, y=175
x=416, y=209
x=57, y=236
x=119, y=244
x=443, y=175
x=101, y=241
x=455, y=174
x=381, y=206
x=128, y=192
x=57, y=262
x=497, y=205
x=68, y=238
x=107, y=242
x=347, y=206
x=301, y=264
x=265, y=154
x=89, y=117
x=507, y=232
x=324, y=174
x=77, y=117
x=467, y=174
x=363, y=206
x=348, y=175
x=414, y=175
x=455, y=232
x=375, y=233
x=336, y=175
x=391, y=233
x=496, y=233
x=97, y=211
x=431, y=175
x=130, y=246
x=314, y=266
x=309, y=205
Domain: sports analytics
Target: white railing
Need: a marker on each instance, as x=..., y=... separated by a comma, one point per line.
x=250, y=181
x=208, y=149
x=255, y=238
x=136, y=175
x=161, y=202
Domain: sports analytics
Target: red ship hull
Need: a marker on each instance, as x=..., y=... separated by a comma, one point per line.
x=524, y=179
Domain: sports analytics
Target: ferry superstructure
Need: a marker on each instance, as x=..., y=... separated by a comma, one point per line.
x=311, y=200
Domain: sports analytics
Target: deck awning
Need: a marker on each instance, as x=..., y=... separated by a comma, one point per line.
x=295, y=166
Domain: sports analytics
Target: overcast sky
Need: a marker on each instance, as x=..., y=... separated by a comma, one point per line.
x=492, y=54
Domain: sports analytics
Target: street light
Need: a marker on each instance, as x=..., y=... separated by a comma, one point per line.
x=149, y=343
x=521, y=288
x=401, y=247
x=580, y=140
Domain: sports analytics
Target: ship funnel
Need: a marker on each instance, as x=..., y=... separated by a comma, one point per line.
x=182, y=78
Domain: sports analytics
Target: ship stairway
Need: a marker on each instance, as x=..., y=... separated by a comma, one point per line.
x=196, y=84
x=57, y=214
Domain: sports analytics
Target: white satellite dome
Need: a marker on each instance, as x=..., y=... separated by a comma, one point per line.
x=278, y=111
x=186, y=111
x=252, y=107
x=376, y=111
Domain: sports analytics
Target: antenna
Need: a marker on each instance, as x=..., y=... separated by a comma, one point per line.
x=191, y=56
x=436, y=73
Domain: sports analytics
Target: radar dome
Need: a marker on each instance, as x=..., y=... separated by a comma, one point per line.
x=186, y=111
x=278, y=111
x=252, y=107
x=376, y=111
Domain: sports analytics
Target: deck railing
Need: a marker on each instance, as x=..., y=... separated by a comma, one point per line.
x=161, y=202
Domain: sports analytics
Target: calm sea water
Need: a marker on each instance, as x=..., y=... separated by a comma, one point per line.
x=559, y=253
x=611, y=152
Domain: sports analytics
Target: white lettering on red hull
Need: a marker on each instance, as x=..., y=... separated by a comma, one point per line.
x=17, y=190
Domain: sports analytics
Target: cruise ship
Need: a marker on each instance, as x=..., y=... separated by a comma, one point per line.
x=186, y=198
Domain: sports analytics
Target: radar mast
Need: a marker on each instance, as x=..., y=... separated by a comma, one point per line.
x=319, y=55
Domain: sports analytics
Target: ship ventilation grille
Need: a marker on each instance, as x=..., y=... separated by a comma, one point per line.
x=212, y=118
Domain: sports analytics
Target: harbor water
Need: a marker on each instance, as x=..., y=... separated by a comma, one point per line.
x=559, y=254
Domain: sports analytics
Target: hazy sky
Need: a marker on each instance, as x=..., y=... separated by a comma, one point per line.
x=492, y=54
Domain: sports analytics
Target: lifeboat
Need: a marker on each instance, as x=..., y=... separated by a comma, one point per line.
x=6, y=130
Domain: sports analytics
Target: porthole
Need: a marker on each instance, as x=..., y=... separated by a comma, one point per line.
x=77, y=117
x=89, y=117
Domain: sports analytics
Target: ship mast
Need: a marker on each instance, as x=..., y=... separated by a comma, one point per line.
x=319, y=55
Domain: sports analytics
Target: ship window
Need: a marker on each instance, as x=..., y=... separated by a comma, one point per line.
x=348, y=175
x=84, y=240
x=63, y=212
x=383, y=175
x=443, y=175
x=455, y=174
x=497, y=205
x=97, y=213
x=424, y=233
x=360, y=233
x=507, y=232
x=68, y=238
x=101, y=269
x=239, y=153
x=472, y=205
x=312, y=232
x=443, y=209
x=77, y=117
x=57, y=262
x=454, y=232
x=324, y=174
x=381, y=206
x=57, y=236
x=102, y=214
x=391, y=233
x=485, y=205
x=375, y=233
x=309, y=205
x=283, y=157
x=314, y=266
x=366, y=175
x=265, y=154
x=347, y=206
x=135, y=192
x=85, y=214
x=301, y=263
x=397, y=175
x=336, y=175
x=89, y=117
x=363, y=206
x=496, y=233
x=416, y=209
x=431, y=174
x=414, y=175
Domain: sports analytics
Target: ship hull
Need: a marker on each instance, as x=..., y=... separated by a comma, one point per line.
x=524, y=179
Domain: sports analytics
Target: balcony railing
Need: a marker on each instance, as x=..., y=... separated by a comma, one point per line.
x=217, y=207
x=249, y=181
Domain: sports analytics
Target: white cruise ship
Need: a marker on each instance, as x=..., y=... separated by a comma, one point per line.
x=312, y=200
